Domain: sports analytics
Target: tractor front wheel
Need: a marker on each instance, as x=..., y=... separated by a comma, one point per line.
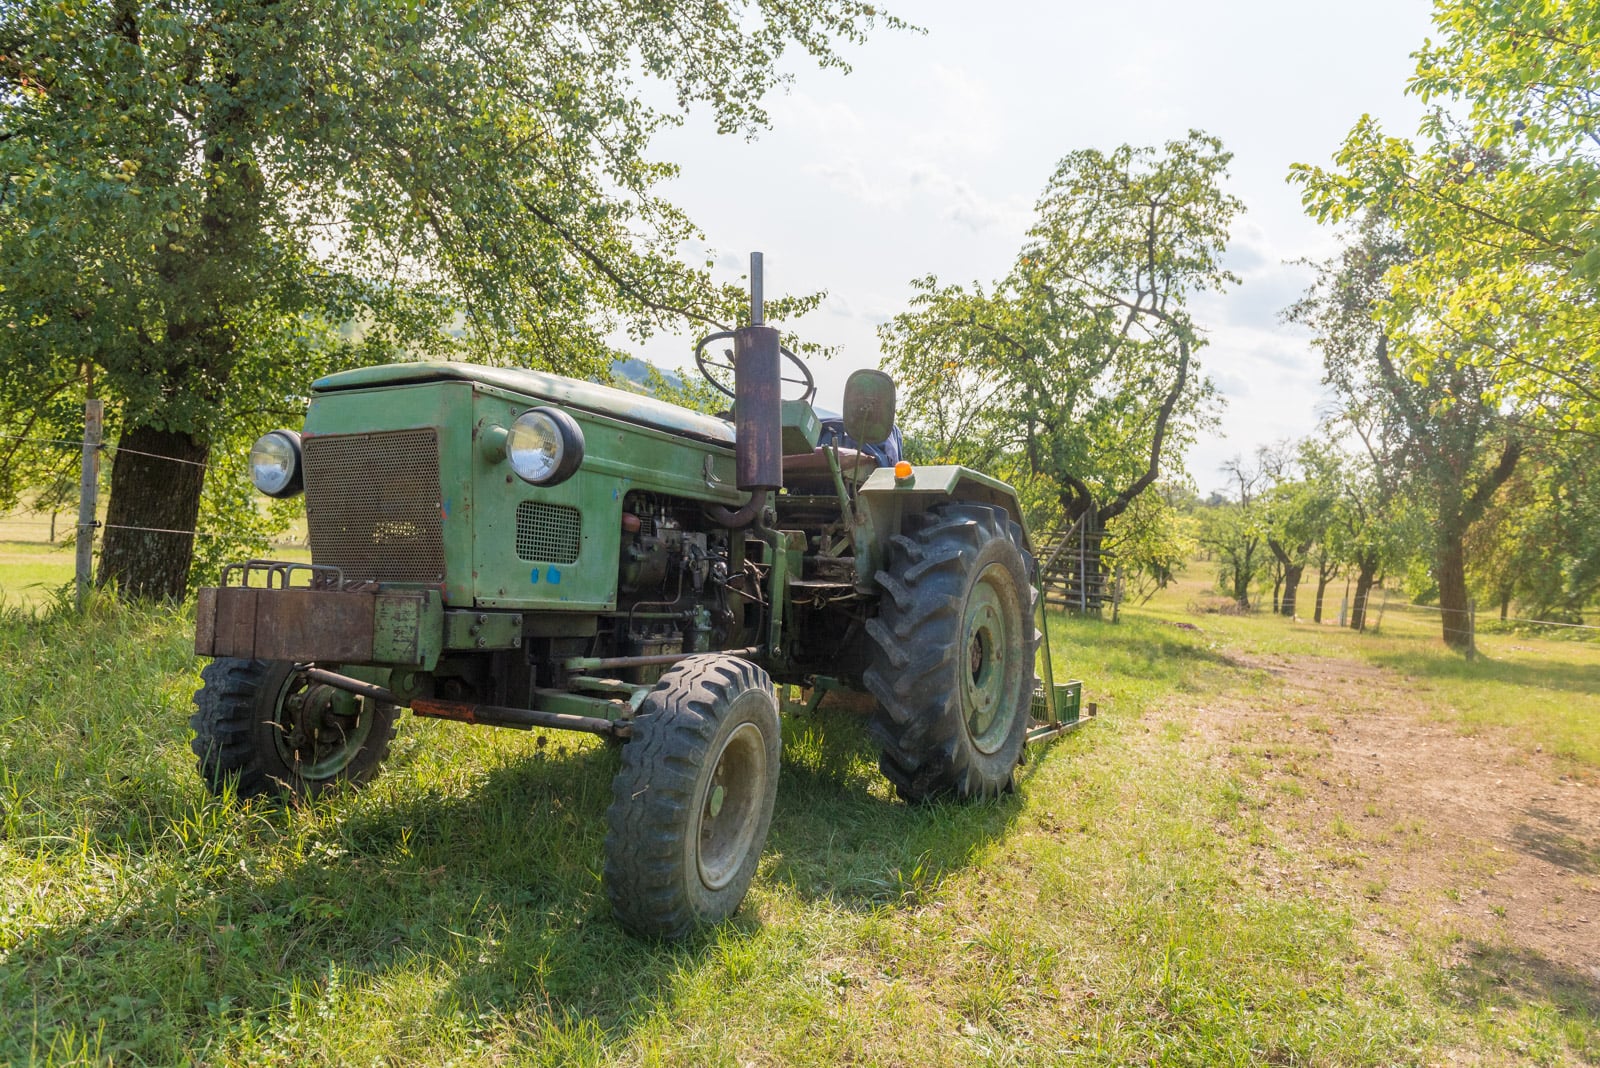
x=267, y=729
x=693, y=801
x=954, y=643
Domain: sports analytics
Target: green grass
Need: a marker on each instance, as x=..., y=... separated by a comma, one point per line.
x=1116, y=910
x=33, y=573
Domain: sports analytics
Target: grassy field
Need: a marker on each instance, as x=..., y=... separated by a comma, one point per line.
x=1136, y=902
x=33, y=569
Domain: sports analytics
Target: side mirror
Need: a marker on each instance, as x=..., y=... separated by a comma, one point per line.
x=868, y=406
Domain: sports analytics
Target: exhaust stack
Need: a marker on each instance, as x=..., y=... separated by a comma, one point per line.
x=757, y=387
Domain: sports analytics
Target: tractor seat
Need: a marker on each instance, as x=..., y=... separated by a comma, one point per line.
x=807, y=472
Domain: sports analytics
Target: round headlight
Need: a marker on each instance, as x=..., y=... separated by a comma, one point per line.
x=275, y=463
x=544, y=446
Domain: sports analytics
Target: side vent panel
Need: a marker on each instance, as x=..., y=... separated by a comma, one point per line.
x=551, y=533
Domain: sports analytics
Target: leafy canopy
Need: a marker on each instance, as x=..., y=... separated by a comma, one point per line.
x=205, y=205
x=1499, y=196
x=1077, y=369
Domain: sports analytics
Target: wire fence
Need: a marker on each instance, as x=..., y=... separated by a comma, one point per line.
x=104, y=448
x=1476, y=634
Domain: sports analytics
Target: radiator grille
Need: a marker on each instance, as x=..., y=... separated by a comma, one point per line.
x=372, y=504
x=549, y=532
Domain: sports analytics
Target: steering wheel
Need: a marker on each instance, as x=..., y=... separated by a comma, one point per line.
x=720, y=373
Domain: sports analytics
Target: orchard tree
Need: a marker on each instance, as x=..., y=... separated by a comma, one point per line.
x=1539, y=542
x=1498, y=194
x=198, y=200
x=1078, y=369
x=1444, y=438
x=1235, y=530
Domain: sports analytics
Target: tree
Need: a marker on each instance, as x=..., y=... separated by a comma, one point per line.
x=1539, y=541
x=194, y=199
x=1296, y=513
x=1444, y=437
x=1505, y=194
x=1323, y=467
x=1152, y=541
x=1235, y=530
x=1078, y=369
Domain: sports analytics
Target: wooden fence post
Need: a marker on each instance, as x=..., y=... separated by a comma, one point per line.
x=88, y=492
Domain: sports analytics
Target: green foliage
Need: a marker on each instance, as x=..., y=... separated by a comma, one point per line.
x=198, y=202
x=1078, y=369
x=1152, y=541
x=1235, y=530
x=1539, y=542
x=1498, y=205
x=1441, y=440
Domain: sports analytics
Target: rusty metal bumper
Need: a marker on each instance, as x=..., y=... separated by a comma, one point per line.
x=369, y=626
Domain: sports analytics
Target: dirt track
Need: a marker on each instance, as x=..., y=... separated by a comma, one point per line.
x=1470, y=837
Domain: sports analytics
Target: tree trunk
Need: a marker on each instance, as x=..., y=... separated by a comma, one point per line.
x=1505, y=604
x=1451, y=575
x=1291, y=584
x=1366, y=577
x=1277, y=588
x=152, y=491
x=1322, y=586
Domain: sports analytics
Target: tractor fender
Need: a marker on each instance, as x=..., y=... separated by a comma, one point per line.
x=883, y=503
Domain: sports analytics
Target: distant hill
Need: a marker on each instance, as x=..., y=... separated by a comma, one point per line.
x=637, y=371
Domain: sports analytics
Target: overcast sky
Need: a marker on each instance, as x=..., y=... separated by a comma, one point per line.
x=928, y=158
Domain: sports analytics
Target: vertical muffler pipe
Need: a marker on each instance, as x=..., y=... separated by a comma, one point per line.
x=757, y=408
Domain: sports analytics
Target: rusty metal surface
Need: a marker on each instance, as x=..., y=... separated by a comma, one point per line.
x=205, y=622
x=373, y=504
x=758, y=407
x=520, y=718
x=355, y=686
x=225, y=622
x=294, y=624
x=313, y=624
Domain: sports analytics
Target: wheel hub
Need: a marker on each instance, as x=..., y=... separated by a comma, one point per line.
x=731, y=807
x=320, y=728
x=988, y=678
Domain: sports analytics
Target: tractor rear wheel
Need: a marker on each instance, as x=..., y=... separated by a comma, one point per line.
x=267, y=729
x=693, y=801
x=953, y=663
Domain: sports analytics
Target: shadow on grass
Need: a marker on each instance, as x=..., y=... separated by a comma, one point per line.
x=494, y=881
x=1501, y=977
x=1542, y=674
x=1549, y=837
x=1142, y=647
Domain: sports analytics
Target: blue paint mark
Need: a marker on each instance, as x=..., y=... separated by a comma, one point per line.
x=534, y=578
x=444, y=509
x=552, y=576
x=614, y=494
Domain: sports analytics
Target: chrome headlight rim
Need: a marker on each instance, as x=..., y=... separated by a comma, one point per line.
x=292, y=481
x=554, y=425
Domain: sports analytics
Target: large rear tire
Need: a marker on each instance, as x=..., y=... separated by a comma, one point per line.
x=266, y=729
x=693, y=801
x=953, y=663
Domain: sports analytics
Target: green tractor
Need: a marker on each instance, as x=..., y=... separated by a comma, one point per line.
x=518, y=549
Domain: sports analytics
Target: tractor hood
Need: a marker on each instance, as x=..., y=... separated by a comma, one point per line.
x=539, y=386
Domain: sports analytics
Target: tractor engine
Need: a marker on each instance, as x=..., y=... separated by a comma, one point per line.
x=672, y=582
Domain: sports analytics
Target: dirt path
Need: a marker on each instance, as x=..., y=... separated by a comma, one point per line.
x=1467, y=836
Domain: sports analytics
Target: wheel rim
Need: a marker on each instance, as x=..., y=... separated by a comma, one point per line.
x=319, y=729
x=730, y=807
x=989, y=665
